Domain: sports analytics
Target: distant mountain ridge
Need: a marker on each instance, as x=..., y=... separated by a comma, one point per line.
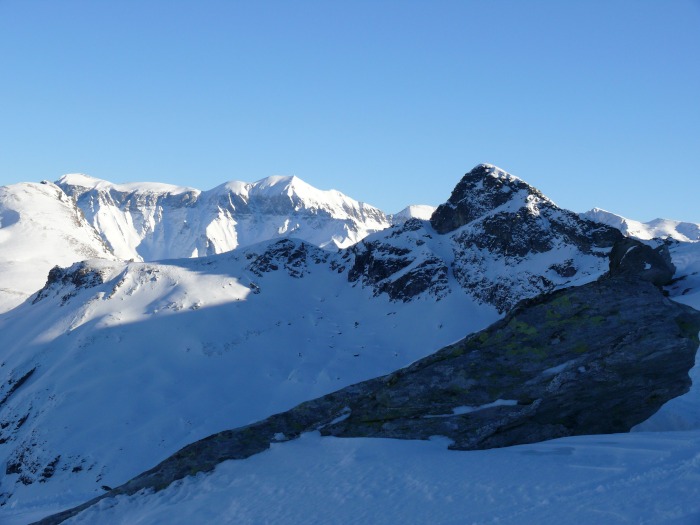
x=147, y=221
x=655, y=229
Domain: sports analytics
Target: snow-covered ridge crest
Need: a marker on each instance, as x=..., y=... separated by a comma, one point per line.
x=152, y=221
x=86, y=182
x=657, y=228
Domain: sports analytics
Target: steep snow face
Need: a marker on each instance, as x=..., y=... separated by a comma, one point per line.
x=114, y=366
x=39, y=227
x=658, y=228
x=147, y=221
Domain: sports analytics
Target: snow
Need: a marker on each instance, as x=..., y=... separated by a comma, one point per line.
x=153, y=221
x=467, y=409
x=658, y=228
x=177, y=350
x=415, y=211
x=91, y=183
x=644, y=478
x=39, y=228
x=559, y=368
x=223, y=347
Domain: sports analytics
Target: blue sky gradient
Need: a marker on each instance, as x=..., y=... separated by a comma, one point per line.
x=594, y=102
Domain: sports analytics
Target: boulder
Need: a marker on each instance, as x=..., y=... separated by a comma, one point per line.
x=635, y=258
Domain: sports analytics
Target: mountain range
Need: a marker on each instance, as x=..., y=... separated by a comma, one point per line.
x=173, y=314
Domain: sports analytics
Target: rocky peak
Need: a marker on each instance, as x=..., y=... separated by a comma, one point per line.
x=501, y=240
x=484, y=189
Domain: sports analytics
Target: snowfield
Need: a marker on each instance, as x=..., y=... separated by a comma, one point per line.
x=177, y=350
x=643, y=478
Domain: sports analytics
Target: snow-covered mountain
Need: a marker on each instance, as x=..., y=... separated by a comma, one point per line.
x=656, y=229
x=40, y=227
x=148, y=221
x=114, y=365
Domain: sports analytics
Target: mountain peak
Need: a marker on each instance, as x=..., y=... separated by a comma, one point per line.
x=482, y=190
x=285, y=184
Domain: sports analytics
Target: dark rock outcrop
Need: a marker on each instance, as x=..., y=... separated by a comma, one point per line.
x=598, y=358
x=632, y=257
x=79, y=276
x=401, y=264
x=294, y=256
x=515, y=218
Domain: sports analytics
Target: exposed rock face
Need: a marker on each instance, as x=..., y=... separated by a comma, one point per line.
x=587, y=360
x=294, y=257
x=598, y=358
x=77, y=276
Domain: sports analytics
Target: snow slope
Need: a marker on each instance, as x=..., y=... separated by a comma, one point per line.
x=149, y=221
x=40, y=227
x=658, y=228
x=128, y=371
x=649, y=478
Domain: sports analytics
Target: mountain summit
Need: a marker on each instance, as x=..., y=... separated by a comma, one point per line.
x=485, y=189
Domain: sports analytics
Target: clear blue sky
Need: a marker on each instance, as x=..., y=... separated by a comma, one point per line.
x=597, y=103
